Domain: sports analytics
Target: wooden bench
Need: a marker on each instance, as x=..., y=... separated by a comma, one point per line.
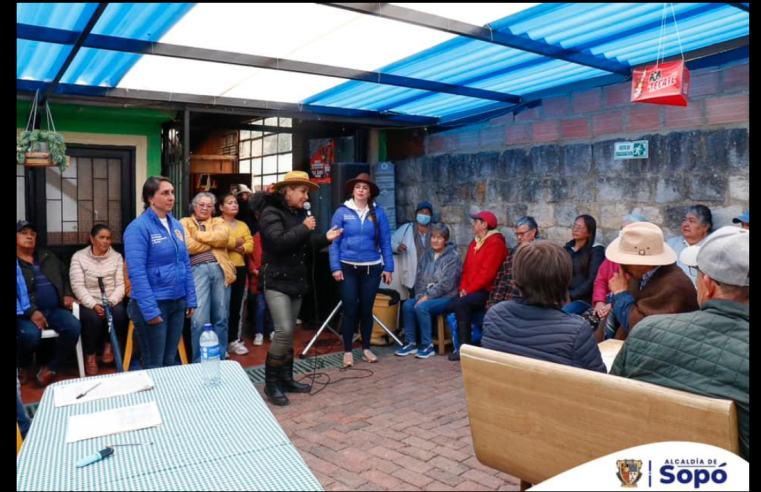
x=533, y=419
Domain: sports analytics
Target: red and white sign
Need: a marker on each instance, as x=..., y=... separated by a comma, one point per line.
x=667, y=83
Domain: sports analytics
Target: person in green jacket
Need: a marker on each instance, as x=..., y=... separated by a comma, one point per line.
x=706, y=352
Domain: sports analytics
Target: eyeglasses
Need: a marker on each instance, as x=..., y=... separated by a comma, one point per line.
x=577, y=227
x=694, y=271
x=203, y=206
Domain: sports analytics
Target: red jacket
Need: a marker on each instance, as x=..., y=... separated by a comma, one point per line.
x=480, y=268
x=255, y=263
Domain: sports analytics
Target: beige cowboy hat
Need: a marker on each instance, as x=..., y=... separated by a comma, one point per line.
x=641, y=243
x=295, y=178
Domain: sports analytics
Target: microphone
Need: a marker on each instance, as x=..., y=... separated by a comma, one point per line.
x=308, y=208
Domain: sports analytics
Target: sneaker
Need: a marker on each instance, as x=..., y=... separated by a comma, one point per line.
x=454, y=356
x=408, y=349
x=258, y=339
x=240, y=348
x=299, y=322
x=368, y=356
x=426, y=352
x=272, y=335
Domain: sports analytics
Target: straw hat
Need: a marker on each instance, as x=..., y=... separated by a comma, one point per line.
x=641, y=243
x=295, y=178
x=363, y=178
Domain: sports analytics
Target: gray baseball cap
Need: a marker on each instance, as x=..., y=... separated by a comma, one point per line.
x=724, y=256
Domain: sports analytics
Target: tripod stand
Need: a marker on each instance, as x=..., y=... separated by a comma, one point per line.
x=325, y=325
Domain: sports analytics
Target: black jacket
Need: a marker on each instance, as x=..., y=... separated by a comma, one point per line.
x=582, y=284
x=285, y=240
x=53, y=269
x=551, y=335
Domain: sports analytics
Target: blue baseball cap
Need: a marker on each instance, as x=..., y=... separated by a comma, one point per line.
x=422, y=205
x=742, y=218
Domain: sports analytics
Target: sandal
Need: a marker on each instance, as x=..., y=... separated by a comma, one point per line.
x=348, y=360
x=368, y=356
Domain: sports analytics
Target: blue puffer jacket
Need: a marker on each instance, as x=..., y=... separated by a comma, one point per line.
x=357, y=243
x=551, y=335
x=158, y=263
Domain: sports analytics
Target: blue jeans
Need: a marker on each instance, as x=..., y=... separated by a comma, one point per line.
x=422, y=316
x=28, y=337
x=358, y=290
x=21, y=418
x=577, y=307
x=213, y=306
x=262, y=315
x=158, y=343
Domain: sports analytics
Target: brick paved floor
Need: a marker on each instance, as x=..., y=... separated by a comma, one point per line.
x=404, y=428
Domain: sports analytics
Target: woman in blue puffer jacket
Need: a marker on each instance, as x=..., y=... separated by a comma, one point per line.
x=158, y=264
x=355, y=260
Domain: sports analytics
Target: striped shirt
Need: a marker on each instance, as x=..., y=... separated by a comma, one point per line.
x=205, y=257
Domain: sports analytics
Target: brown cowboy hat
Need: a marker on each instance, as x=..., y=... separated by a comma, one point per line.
x=295, y=178
x=363, y=178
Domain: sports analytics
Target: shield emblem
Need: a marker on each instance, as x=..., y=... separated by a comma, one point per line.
x=629, y=472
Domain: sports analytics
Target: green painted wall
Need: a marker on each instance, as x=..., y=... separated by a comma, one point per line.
x=114, y=121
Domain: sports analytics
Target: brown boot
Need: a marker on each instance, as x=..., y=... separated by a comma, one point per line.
x=45, y=376
x=91, y=365
x=108, y=354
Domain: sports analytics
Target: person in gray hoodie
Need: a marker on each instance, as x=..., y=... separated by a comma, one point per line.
x=438, y=277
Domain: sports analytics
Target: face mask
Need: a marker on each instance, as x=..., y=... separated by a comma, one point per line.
x=423, y=219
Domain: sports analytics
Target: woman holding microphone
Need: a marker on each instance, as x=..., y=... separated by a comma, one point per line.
x=286, y=231
x=355, y=260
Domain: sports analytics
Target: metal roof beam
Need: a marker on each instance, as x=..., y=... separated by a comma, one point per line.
x=78, y=43
x=485, y=34
x=742, y=6
x=125, y=45
x=226, y=103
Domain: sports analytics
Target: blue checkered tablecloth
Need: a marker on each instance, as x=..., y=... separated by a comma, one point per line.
x=220, y=438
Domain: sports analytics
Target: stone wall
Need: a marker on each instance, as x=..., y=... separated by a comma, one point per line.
x=698, y=155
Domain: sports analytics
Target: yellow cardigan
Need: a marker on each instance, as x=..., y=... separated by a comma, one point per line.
x=214, y=239
x=240, y=231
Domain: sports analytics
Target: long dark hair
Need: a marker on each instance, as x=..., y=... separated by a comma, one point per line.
x=374, y=218
x=586, y=251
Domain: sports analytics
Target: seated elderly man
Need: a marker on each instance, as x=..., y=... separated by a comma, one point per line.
x=649, y=282
x=526, y=231
x=50, y=302
x=706, y=352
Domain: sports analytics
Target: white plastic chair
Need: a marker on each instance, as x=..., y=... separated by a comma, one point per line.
x=49, y=333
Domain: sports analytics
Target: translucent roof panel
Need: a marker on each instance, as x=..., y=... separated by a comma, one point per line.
x=39, y=61
x=68, y=16
x=626, y=33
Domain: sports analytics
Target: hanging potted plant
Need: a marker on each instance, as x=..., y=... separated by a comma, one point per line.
x=40, y=148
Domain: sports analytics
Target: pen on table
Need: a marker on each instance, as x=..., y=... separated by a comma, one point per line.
x=102, y=454
x=83, y=394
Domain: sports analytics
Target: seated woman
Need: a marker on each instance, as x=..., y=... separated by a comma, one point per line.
x=533, y=324
x=87, y=265
x=438, y=276
x=586, y=256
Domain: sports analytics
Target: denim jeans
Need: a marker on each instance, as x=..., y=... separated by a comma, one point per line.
x=285, y=310
x=213, y=306
x=358, y=290
x=261, y=314
x=158, y=343
x=21, y=417
x=422, y=316
x=576, y=307
x=28, y=337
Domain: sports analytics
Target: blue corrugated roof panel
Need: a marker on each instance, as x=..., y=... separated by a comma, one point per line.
x=41, y=61
x=627, y=33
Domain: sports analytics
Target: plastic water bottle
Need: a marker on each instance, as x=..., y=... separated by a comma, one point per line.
x=210, y=356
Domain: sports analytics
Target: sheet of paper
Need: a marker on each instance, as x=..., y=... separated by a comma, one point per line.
x=609, y=350
x=110, y=422
x=123, y=384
